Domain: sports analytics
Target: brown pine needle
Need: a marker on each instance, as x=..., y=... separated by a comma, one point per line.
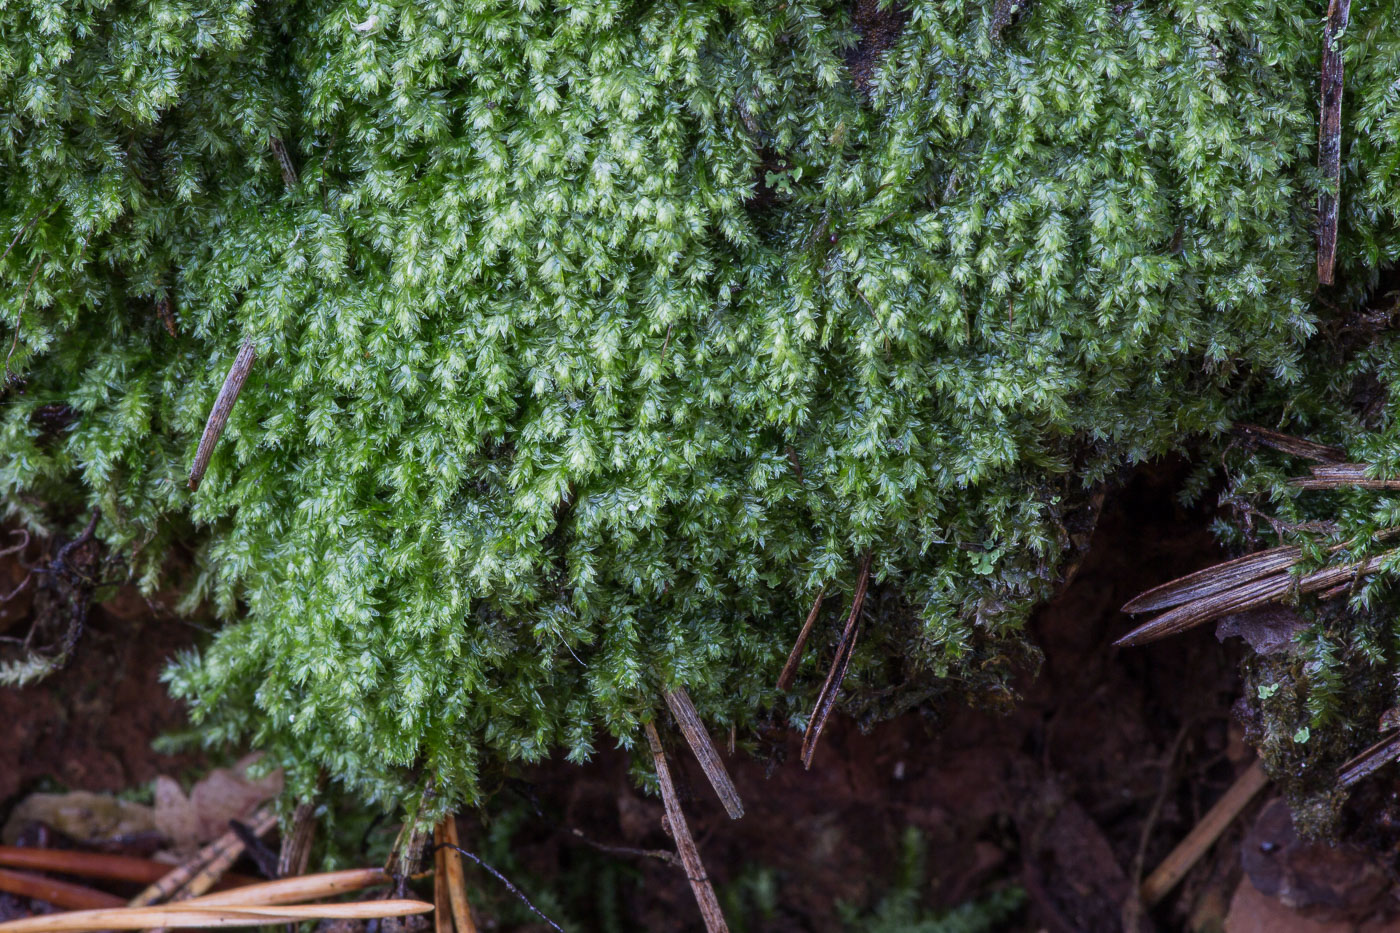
x=685, y=845
x=442, y=900
x=457, y=878
x=1215, y=579
x=795, y=656
x=296, y=890
x=64, y=894
x=88, y=864
x=1338, y=475
x=223, y=407
x=1250, y=595
x=705, y=752
x=1329, y=140
x=213, y=857
x=1197, y=842
x=1370, y=761
x=1288, y=444
x=191, y=914
x=845, y=648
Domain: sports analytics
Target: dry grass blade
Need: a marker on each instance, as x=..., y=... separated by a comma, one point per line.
x=64, y=894
x=1288, y=444
x=296, y=890
x=457, y=879
x=223, y=407
x=1179, y=861
x=685, y=844
x=1252, y=594
x=1215, y=579
x=705, y=752
x=187, y=914
x=795, y=656
x=1369, y=761
x=845, y=648
x=1329, y=140
x=1338, y=475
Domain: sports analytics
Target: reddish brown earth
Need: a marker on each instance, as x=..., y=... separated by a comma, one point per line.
x=1106, y=763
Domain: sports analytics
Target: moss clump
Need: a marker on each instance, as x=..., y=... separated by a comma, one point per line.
x=594, y=340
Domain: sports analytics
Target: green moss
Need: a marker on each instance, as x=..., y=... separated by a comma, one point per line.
x=553, y=409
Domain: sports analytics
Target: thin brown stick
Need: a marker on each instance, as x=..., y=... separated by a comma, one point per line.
x=1256, y=593
x=186, y=914
x=1175, y=866
x=795, y=656
x=442, y=900
x=457, y=879
x=1288, y=444
x=845, y=648
x=1370, y=761
x=685, y=845
x=1338, y=475
x=295, y=853
x=63, y=894
x=223, y=407
x=705, y=752
x=1329, y=140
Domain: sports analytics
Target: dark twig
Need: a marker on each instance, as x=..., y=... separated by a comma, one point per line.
x=845, y=648
x=685, y=844
x=284, y=161
x=502, y=879
x=1288, y=444
x=1329, y=140
x=223, y=406
x=16, y=548
x=256, y=849
x=660, y=855
x=795, y=656
x=705, y=752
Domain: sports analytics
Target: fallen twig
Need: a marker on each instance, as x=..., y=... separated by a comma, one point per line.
x=795, y=656
x=685, y=844
x=845, y=648
x=1329, y=140
x=223, y=407
x=1179, y=861
x=705, y=752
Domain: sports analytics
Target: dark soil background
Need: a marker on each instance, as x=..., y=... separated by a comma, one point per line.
x=1075, y=794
